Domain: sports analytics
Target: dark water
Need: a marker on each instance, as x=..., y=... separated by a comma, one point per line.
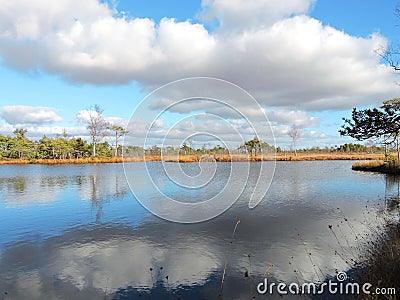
x=77, y=232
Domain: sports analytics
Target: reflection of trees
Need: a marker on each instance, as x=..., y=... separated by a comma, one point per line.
x=99, y=185
x=96, y=200
x=392, y=191
x=20, y=184
x=16, y=184
x=20, y=190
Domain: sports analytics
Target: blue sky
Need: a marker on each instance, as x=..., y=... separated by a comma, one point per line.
x=306, y=62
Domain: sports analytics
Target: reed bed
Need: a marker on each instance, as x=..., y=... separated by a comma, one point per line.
x=391, y=167
x=88, y=160
x=210, y=157
x=381, y=266
x=330, y=156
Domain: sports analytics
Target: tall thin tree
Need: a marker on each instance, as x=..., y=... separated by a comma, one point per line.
x=119, y=132
x=294, y=132
x=97, y=126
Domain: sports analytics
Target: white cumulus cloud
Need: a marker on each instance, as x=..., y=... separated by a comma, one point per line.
x=238, y=14
x=20, y=114
x=296, y=118
x=280, y=55
x=83, y=118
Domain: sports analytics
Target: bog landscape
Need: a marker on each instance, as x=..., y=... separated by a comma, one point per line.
x=205, y=149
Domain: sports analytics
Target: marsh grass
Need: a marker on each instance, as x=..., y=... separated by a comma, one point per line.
x=329, y=156
x=370, y=256
x=197, y=157
x=375, y=256
x=389, y=167
x=381, y=264
x=86, y=160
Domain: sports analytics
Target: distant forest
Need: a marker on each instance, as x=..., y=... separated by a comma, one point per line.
x=64, y=147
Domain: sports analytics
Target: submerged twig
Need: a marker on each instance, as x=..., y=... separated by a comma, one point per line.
x=226, y=260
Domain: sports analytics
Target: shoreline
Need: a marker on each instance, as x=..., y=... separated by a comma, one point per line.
x=206, y=158
x=392, y=167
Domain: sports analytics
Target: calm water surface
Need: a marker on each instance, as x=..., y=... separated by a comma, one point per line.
x=77, y=232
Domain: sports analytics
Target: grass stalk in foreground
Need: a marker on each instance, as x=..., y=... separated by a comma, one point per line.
x=226, y=260
x=381, y=268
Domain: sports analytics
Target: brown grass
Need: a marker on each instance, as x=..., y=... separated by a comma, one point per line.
x=330, y=156
x=197, y=157
x=368, y=165
x=89, y=160
x=392, y=167
x=381, y=265
x=269, y=157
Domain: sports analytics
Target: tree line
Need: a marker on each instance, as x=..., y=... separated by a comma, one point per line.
x=20, y=147
x=381, y=125
x=64, y=147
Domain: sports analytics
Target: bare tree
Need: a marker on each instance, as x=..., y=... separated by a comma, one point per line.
x=119, y=131
x=190, y=142
x=294, y=132
x=65, y=134
x=97, y=126
x=391, y=54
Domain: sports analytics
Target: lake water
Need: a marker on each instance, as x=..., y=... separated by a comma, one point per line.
x=77, y=232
